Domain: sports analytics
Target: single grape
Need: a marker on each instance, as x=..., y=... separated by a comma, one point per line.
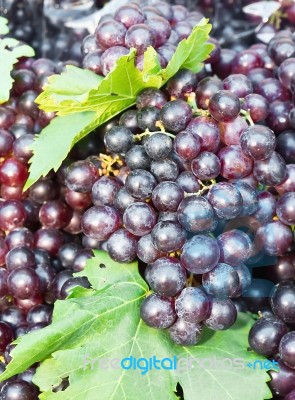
x=278, y=118
x=234, y=164
x=275, y=237
x=224, y=106
x=192, y=305
x=121, y=246
x=12, y=215
x=183, y=82
x=151, y=97
x=257, y=106
x=104, y=191
x=80, y=176
x=23, y=283
x=186, y=145
x=129, y=15
x=285, y=208
x=231, y=131
x=258, y=142
x=226, y=200
x=185, y=333
x=140, y=36
x=266, y=207
x=271, y=171
x=168, y=236
x=200, y=254
x=207, y=130
x=222, y=281
x=287, y=349
x=207, y=87
x=158, y=146
x=222, y=316
x=139, y=218
x=188, y=182
x=118, y=139
x=161, y=29
x=249, y=196
x=166, y=276
x=146, y=251
x=147, y=118
x=195, y=214
x=137, y=158
x=100, y=222
x=235, y=247
x=123, y=199
x=286, y=146
x=110, y=33
x=282, y=379
x=283, y=301
x=157, y=312
x=175, y=115
x=206, y=166
x=165, y=170
x=167, y=196
x=55, y=214
x=140, y=184
x=238, y=84
x=266, y=334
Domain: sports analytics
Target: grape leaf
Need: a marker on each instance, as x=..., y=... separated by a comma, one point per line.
x=58, y=138
x=10, y=51
x=76, y=91
x=3, y=26
x=61, y=88
x=93, y=327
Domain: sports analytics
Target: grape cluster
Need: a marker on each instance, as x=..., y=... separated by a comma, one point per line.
x=138, y=25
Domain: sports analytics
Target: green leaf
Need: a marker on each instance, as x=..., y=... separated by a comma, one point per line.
x=70, y=86
x=10, y=51
x=77, y=91
x=3, y=26
x=54, y=143
x=104, y=324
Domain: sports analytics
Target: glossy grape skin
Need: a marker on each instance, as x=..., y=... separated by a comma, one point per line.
x=122, y=200
x=110, y=33
x=23, y=283
x=245, y=61
x=168, y=236
x=287, y=349
x=282, y=381
x=206, y=129
x=55, y=214
x=235, y=247
x=192, y=305
x=188, y=182
x=222, y=281
x=121, y=246
x=223, y=315
x=146, y=251
x=100, y=222
x=238, y=84
x=249, y=196
x=226, y=200
x=245, y=277
x=285, y=208
x=185, y=333
x=206, y=166
x=6, y=142
x=6, y=335
x=129, y=15
x=165, y=170
x=258, y=142
x=158, y=146
x=290, y=396
x=129, y=121
x=12, y=215
x=286, y=72
x=282, y=301
x=286, y=146
x=223, y=66
x=13, y=172
x=20, y=257
x=80, y=176
x=278, y=117
x=234, y=163
x=139, y=218
x=195, y=214
x=140, y=36
x=224, y=106
x=140, y=184
x=271, y=171
x=166, y=276
x=184, y=81
x=157, y=312
x=104, y=191
x=207, y=87
x=19, y=389
x=272, y=90
x=137, y=158
x=92, y=61
x=161, y=29
x=167, y=196
x=274, y=237
x=200, y=254
x=257, y=106
x=231, y=131
x=151, y=97
x=288, y=184
x=147, y=118
x=118, y=139
x=175, y=115
x=266, y=334
x=187, y=145
x=81, y=259
x=266, y=207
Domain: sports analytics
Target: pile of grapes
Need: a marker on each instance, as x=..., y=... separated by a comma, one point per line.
x=197, y=182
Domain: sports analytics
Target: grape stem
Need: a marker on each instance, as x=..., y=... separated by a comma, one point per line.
x=190, y=280
x=204, y=187
x=191, y=101
x=247, y=116
x=139, y=136
x=107, y=163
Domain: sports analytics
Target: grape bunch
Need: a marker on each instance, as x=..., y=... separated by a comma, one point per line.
x=138, y=25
